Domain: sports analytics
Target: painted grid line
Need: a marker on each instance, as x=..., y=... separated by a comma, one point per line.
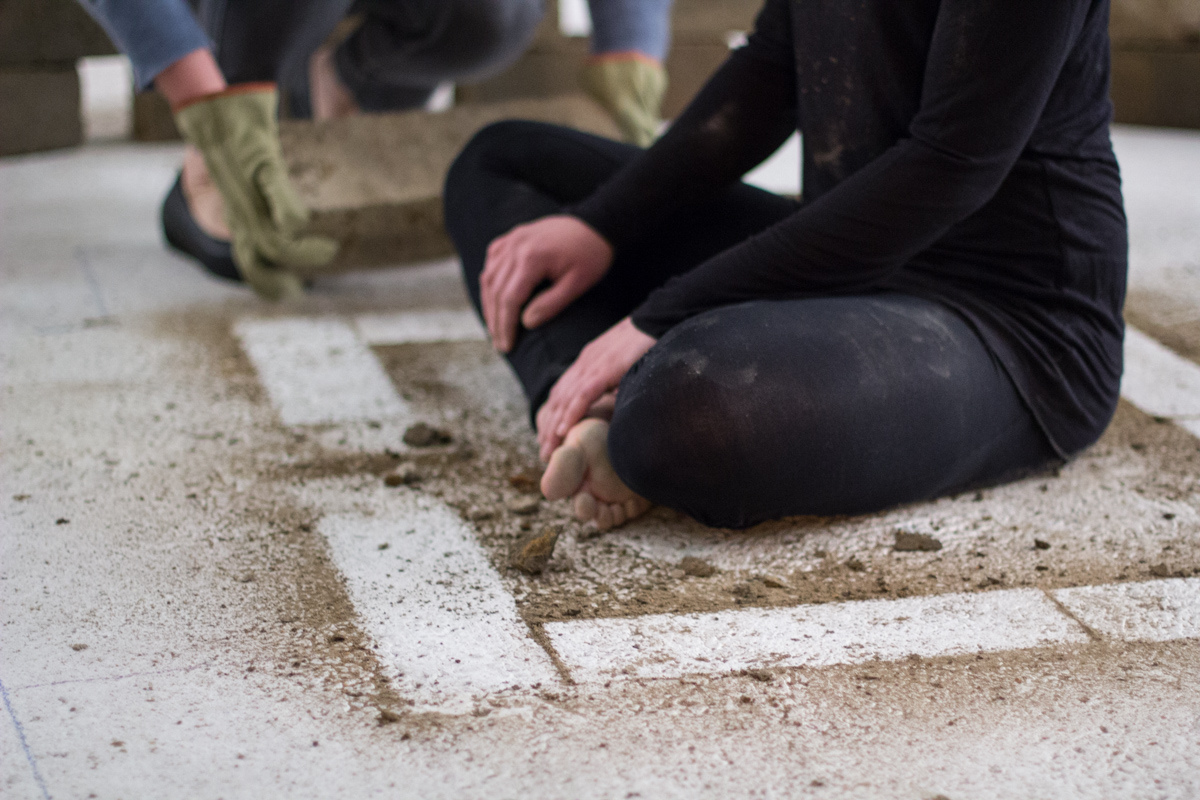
x=1161, y=382
x=12, y=714
x=447, y=629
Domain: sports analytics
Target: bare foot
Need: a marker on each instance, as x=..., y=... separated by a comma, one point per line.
x=580, y=468
x=203, y=198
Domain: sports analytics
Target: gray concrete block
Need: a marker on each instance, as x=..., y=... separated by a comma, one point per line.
x=374, y=182
x=1150, y=23
x=48, y=31
x=39, y=109
x=1157, y=87
x=152, y=118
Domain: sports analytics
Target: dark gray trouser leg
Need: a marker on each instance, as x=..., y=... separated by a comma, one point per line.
x=402, y=51
x=405, y=49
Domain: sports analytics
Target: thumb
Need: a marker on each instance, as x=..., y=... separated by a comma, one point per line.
x=287, y=211
x=547, y=304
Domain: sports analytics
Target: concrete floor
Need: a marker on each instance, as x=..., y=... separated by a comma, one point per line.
x=209, y=591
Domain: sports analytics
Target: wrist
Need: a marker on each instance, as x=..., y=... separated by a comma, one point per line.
x=194, y=76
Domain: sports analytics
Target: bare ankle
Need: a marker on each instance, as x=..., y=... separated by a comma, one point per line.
x=203, y=198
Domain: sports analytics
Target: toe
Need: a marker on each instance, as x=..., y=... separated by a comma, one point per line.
x=585, y=507
x=604, y=517
x=565, y=472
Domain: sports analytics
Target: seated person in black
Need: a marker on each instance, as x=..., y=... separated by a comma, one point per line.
x=940, y=310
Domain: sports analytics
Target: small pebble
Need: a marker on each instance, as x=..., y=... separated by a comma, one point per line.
x=423, y=435
x=526, y=504
x=482, y=514
x=697, y=567
x=915, y=543
x=532, y=553
x=403, y=475
x=1041, y=544
x=854, y=565
x=527, y=482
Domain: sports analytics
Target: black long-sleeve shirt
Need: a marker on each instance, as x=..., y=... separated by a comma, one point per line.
x=954, y=149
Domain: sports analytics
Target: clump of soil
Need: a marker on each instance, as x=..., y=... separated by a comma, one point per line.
x=423, y=435
x=697, y=567
x=527, y=481
x=915, y=543
x=531, y=553
x=403, y=475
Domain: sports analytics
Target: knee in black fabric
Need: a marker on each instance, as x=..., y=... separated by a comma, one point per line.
x=465, y=199
x=681, y=435
x=824, y=406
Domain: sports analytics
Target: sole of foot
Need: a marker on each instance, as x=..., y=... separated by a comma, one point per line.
x=580, y=468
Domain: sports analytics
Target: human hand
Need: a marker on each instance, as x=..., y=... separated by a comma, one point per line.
x=598, y=369
x=237, y=132
x=561, y=249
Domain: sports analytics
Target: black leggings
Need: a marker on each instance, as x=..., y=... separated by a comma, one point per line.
x=765, y=409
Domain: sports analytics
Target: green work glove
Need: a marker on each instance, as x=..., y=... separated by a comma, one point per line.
x=238, y=134
x=631, y=89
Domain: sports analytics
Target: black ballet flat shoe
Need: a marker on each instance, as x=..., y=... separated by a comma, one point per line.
x=185, y=236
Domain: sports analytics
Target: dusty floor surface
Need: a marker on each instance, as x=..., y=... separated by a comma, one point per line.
x=176, y=623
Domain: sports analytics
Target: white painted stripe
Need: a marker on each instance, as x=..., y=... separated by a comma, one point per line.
x=670, y=645
x=318, y=371
x=440, y=325
x=1152, y=611
x=447, y=628
x=1157, y=380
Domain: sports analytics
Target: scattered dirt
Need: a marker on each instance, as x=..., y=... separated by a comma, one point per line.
x=1174, y=321
x=651, y=566
x=423, y=435
x=915, y=543
x=533, y=552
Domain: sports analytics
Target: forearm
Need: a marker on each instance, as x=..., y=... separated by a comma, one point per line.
x=851, y=239
x=973, y=124
x=742, y=115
